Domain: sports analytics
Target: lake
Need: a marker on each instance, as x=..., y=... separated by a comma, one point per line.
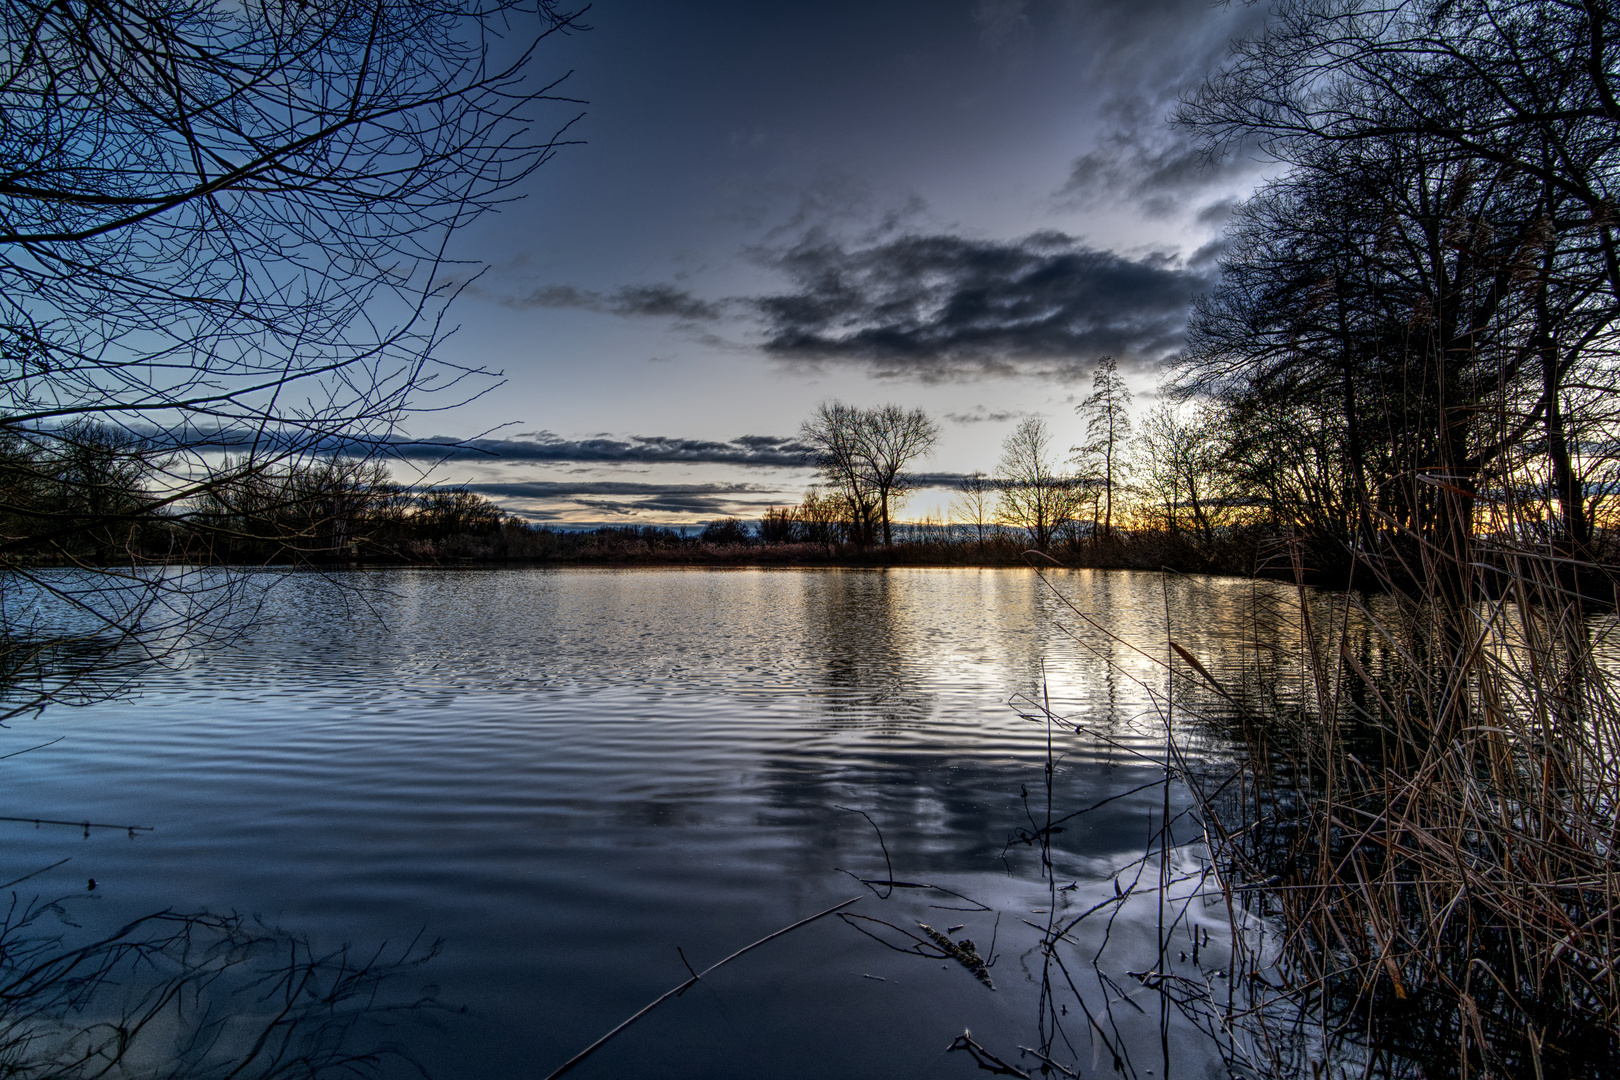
x=567, y=775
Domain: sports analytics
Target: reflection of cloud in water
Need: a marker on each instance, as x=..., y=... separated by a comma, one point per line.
x=953, y=814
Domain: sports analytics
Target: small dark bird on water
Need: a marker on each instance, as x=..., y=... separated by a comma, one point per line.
x=92, y=886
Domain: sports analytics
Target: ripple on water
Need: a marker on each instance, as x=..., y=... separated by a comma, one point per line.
x=568, y=773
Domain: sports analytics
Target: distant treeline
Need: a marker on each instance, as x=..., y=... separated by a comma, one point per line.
x=89, y=494
x=1290, y=434
x=1148, y=498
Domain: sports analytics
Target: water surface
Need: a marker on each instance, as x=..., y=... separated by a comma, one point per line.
x=567, y=774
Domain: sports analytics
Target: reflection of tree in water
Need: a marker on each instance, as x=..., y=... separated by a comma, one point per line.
x=953, y=811
x=74, y=637
x=198, y=996
x=1256, y=644
x=195, y=995
x=36, y=671
x=1249, y=634
x=868, y=657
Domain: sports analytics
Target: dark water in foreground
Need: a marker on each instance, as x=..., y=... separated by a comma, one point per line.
x=568, y=774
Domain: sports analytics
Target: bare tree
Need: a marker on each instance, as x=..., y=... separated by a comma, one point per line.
x=1526, y=86
x=223, y=228
x=975, y=505
x=1035, y=495
x=1184, y=476
x=891, y=438
x=1108, y=429
x=1446, y=264
x=780, y=525
x=299, y=511
x=446, y=512
x=833, y=434
x=863, y=455
x=823, y=517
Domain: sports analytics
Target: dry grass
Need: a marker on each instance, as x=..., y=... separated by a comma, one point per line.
x=1433, y=829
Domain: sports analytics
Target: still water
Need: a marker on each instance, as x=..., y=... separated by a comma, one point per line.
x=567, y=775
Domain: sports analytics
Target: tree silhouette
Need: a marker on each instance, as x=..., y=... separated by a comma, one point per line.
x=1433, y=281
x=863, y=455
x=1035, y=495
x=1108, y=429
x=974, y=505
x=891, y=439
x=223, y=228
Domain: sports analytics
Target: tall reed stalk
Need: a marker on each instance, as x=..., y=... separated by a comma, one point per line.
x=1433, y=828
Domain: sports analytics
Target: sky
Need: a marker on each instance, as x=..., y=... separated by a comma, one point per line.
x=952, y=205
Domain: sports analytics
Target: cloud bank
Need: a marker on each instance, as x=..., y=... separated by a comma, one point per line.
x=626, y=500
x=936, y=307
x=759, y=451
x=555, y=500
x=644, y=301
x=981, y=415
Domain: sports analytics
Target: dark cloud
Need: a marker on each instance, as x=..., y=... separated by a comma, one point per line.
x=628, y=499
x=631, y=301
x=1134, y=55
x=1159, y=170
x=1216, y=212
x=563, y=501
x=939, y=306
x=1207, y=258
x=762, y=494
x=565, y=489
x=980, y=415
x=763, y=451
x=937, y=479
x=767, y=451
x=661, y=301
x=1149, y=56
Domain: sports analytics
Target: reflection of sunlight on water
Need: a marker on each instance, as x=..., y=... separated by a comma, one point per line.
x=568, y=773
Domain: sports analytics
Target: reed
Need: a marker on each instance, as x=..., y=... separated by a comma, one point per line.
x=1429, y=823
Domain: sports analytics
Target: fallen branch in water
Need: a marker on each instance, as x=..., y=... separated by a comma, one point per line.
x=984, y=1058
x=683, y=987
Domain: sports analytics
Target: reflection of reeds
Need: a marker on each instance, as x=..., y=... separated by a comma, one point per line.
x=196, y=996
x=1416, y=850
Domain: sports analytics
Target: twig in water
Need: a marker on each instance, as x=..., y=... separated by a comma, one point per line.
x=977, y=906
x=888, y=864
x=31, y=749
x=918, y=947
x=674, y=991
x=35, y=873
x=85, y=825
x=1065, y=1071
x=984, y=1058
x=689, y=970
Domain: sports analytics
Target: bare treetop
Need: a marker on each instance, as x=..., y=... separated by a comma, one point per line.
x=223, y=235
x=203, y=204
x=1108, y=428
x=863, y=454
